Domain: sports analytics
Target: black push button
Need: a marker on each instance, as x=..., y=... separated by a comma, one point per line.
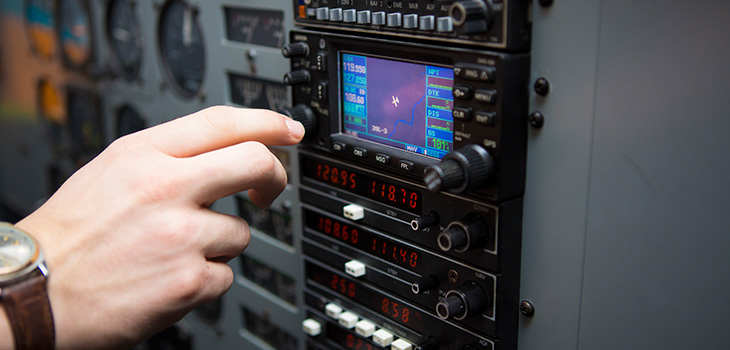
x=486, y=118
x=475, y=72
x=407, y=165
x=360, y=152
x=486, y=96
x=463, y=113
x=339, y=146
x=382, y=158
x=462, y=92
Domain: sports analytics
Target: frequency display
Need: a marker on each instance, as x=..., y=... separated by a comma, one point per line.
x=400, y=104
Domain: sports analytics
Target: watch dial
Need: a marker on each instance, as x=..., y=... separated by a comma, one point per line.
x=75, y=32
x=125, y=38
x=40, y=25
x=17, y=250
x=181, y=47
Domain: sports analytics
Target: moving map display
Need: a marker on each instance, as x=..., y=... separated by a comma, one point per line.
x=401, y=104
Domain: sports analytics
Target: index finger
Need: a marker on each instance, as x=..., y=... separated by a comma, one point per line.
x=222, y=126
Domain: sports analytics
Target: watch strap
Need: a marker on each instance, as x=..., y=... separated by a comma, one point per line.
x=29, y=313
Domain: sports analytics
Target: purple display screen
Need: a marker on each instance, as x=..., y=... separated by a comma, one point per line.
x=400, y=104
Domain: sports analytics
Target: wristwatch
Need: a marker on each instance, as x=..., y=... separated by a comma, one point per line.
x=23, y=290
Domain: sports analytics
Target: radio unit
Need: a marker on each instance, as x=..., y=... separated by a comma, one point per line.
x=497, y=24
x=454, y=118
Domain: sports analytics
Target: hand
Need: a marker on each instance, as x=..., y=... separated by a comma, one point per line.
x=129, y=240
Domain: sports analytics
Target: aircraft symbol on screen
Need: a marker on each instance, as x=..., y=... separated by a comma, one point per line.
x=396, y=101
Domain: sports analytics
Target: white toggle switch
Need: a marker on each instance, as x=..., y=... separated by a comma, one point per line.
x=333, y=310
x=401, y=344
x=348, y=319
x=365, y=328
x=383, y=337
x=355, y=268
x=353, y=212
x=311, y=327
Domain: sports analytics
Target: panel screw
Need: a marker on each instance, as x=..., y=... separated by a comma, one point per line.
x=537, y=120
x=542, y=86
x=453, y=277
x=526, y=308
x=546, y=3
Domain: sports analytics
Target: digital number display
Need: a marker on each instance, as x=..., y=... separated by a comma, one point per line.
x=383, y=248
x=381, y=191
x=388, y=307
x=401, y=104
x=349, y=340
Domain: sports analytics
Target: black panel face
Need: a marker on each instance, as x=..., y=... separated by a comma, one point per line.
x=181, y=47
x=129, y=121
x=381, y=244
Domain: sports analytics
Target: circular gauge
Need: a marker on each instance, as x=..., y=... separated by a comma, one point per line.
x=125, y=38
x=74, y=30
x=129, y=121
x=50, y=103
x=181, y=47
x=39, y=26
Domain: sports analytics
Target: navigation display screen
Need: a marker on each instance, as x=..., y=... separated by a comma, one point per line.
x=401, y=104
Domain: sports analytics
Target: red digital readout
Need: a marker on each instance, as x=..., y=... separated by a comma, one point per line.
x=389, y=193
x=384, y=248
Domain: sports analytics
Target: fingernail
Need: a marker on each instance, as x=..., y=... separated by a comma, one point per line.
x=296, y=128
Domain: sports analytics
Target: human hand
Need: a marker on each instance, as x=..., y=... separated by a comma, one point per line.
x=129, y=240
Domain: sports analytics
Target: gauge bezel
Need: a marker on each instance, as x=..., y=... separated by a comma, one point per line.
x=115, y=59
x=169, y=76
x=67, y=62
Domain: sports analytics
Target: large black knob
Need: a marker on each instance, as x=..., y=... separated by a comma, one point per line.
x=468, y=300
x=471, y=16
x=303, y=114
x=297, y=49
x=460, y=171
x=301, y=76
x=461, y=235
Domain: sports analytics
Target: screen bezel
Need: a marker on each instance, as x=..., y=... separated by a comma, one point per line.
x=435, y=62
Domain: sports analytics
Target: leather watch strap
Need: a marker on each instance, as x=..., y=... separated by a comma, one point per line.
x=29, y=313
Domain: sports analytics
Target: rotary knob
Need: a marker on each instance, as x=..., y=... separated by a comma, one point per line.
x=460, y=171
x=429, y=220
x=297, y=49
x=471, y=16
x=468, y=300
x=303, y=114
x=461, y=235
x=301, y=76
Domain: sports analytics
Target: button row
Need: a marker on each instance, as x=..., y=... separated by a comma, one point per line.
x=363, y=327
x=394, y=19
x=380, y=158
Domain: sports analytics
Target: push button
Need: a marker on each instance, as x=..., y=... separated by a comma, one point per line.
x=444, y=24
x=336, y=15
x=365, y=328
x=407, y=165
x=311, y=327
x=348, y=319
x=363, y=17
x=349, y=16
x=356, y=269
x=475, y=72
x=360, y=152
x=486, y=96
x=382, y=158
x=353, y=212
x=378, y=18
x=427, y=22
x=401, y=344
x=393, y=19
x=339, y=146
x=323, y=13
x=462, y=92
x=463, y=113
x=410, y=21
x=333, y=310
x=383, y=337
x=486, y=118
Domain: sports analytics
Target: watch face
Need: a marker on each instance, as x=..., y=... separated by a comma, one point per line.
x=18, y=251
